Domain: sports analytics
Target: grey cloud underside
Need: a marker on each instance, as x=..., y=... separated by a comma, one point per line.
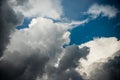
x=71, y=57
x=37, y=65
x=8, y=21
x=67, y=64
x=113, y=67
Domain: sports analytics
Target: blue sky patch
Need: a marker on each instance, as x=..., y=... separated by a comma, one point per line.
x=25, y=24
x=100, y=27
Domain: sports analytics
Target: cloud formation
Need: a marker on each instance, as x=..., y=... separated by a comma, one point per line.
x=101, y=49
x=37, y=53
x=8, y=22
x=66, y=66
x=103, y=10
x=108, y=70
x=36, y=8
x=36, y=49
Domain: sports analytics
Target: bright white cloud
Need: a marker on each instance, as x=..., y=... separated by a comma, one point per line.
x=43, y=36
x=103, y=10
x=36, y=8
x=100, y=50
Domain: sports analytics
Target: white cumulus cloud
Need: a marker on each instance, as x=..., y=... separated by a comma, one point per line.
x=43, y=36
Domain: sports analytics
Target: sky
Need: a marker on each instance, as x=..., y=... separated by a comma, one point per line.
x=59, y=40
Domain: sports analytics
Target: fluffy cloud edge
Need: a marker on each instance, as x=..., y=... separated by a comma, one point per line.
x=101, y=51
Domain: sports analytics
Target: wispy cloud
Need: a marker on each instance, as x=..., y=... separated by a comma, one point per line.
x=104, y=10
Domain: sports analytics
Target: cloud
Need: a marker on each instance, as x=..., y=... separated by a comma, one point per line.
x=34, y=51
x=66, y=66
x=8, y=21
x=108, y=70
x=71, y=56
x=66, y=37
x=103, y=10
x=77, y=23
x=46, y=8
x=28, y=51
x=37, y=53
x=100, y=51
x=41, y=34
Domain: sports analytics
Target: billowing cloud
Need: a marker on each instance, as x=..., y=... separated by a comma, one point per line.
x=67, y=64
x=107, y=70
x=42, y=33
x=101, y=49
x=37, y=53
x=32, y=51
x=103, y=10
x=36, y=50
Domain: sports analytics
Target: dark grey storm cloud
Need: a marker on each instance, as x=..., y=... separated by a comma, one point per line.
x=68, y=63
x=37, y=65
x=71, y=57
x=8, y=21
x=22, y=67
x=8, y=71
x=113, y=67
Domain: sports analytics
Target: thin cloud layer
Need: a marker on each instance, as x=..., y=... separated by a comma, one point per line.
x=103, y=10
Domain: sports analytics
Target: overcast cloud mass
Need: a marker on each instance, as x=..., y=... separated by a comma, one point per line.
x=42, y=49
